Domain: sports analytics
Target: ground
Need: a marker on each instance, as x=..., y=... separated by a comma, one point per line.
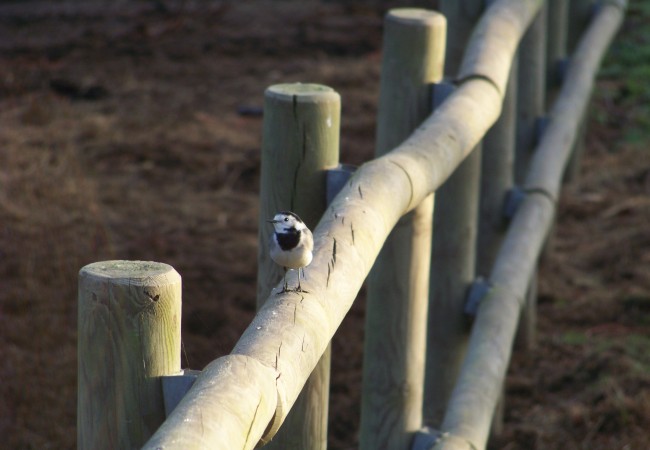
x=131, y=131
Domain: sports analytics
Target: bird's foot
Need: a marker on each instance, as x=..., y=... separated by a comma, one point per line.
x=297, y=289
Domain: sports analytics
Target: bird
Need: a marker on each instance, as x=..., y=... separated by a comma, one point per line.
x=292, y=244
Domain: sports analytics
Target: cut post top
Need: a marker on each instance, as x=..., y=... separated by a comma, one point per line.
x=416, y=16
x=133, y=272
x=302, y=92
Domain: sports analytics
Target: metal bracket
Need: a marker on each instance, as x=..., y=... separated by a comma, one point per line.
x=541, y=124
x=513, y=199
x=426, y=438
x=477, y=292
x=176, y=386
x=440, y=92
x=561, y=69
x=335, y=179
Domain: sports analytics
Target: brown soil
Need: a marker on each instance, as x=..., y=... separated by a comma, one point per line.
x=124, y=136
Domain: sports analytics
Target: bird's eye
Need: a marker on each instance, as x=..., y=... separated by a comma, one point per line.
x=286, y=219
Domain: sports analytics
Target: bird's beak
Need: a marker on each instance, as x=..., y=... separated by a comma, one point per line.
x=272, y=221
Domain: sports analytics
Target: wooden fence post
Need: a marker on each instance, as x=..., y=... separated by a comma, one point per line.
x=531, y=103
x=531, y=98
x=300, y=141
x=129, y=324
x=398, y=285
x=580, y=12
x=453, y=257
x=497, y=178
x=556, y=47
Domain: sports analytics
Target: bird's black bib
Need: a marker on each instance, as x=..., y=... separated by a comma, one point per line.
x=289, y=239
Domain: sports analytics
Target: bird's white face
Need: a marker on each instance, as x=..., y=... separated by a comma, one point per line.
x=283, y=222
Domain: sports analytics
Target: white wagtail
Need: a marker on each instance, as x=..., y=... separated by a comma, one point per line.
x=291, y=245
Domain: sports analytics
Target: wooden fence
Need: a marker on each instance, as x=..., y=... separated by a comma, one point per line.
x=438, y=339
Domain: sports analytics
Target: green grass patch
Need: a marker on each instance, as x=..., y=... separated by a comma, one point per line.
x=623, y=100
x=574, y=337
x=637, y=347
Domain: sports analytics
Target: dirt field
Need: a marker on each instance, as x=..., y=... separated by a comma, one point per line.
x=122, y=137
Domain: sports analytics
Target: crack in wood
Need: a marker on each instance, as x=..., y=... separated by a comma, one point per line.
x=152, y=297
x=252, y=422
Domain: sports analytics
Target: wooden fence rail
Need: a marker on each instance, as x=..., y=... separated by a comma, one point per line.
x=241, y=400
x=470, y=409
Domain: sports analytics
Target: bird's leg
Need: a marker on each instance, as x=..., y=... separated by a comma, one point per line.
x=301, y=270
x=285, y=286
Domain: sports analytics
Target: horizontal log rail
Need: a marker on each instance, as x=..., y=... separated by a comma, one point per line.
x=290, y=332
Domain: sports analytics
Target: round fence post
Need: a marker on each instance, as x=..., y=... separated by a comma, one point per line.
x=531, y=102
x=398, y=285
x=129, y=335
x=497, y=170
x=453, y=259
x=496, y=179
x=300, y=141
x=580, y=13
x=556, y=46
x=531, y=95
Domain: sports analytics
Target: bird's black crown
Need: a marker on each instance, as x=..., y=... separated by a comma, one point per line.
x=289, y=213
